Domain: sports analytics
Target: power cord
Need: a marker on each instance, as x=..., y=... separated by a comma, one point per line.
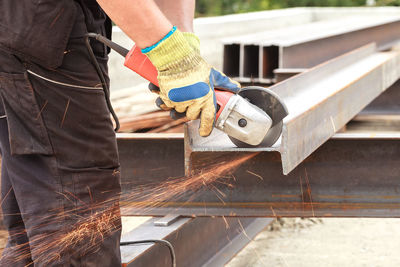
x=155, y=241
x=102, y=79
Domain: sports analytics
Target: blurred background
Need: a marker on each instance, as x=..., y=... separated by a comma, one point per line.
x=223, y=7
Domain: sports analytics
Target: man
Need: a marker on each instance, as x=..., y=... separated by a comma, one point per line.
x=60, y=168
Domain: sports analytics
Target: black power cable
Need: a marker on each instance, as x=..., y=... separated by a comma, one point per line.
x=114, y=46
x=103, y=81
x=155, y=241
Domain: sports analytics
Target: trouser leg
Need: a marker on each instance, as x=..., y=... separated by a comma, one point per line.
x=17, y=242
x=62, y=162
x=54, y=210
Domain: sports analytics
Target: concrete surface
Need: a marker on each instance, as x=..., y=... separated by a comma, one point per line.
x=324, y=243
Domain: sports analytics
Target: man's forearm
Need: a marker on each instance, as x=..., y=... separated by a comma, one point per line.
x=179, y=12
x=141, y=20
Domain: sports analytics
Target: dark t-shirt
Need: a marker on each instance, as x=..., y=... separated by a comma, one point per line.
x=98, y=22
x=39, y=31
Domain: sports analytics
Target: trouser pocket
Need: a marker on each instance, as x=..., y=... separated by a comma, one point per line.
x=27, y=132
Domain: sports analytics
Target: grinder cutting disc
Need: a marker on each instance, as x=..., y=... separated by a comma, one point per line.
x=269, y=102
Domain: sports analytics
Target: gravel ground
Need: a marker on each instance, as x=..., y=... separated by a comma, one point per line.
x=324, y=243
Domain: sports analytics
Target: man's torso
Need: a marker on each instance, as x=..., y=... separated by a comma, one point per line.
x=39, y=30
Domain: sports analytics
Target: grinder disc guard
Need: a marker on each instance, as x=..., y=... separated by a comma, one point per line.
x=269, y=102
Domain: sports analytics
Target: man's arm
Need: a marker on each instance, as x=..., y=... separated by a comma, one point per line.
x=179, y=12
x=186, y=80
x=141, y=20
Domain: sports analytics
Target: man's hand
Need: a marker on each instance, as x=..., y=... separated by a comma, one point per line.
x=186, y=80
x=194, y=42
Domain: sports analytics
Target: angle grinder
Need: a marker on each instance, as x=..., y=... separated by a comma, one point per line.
x=251, y=118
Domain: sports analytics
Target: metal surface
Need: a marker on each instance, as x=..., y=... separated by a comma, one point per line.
x=374, y=123
x=167, y=220
x=197, y=242
x=388, y=103
x=320, y=102
x=254, y=57
x=284, y=74
x=148, y=157
x=384, y=108
x=351, y=175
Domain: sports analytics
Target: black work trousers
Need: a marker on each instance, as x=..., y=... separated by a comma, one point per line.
x=60, y=169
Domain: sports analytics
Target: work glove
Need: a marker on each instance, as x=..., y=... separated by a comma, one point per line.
x=194, y=42
x=186, y=80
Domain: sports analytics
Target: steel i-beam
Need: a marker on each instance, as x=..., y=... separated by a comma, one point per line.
x=320, y=102
x=351, y=175
x=254, y=57
x=197, y=241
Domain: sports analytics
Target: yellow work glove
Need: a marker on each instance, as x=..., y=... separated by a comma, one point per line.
x=194, y=42
x=186, y=80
